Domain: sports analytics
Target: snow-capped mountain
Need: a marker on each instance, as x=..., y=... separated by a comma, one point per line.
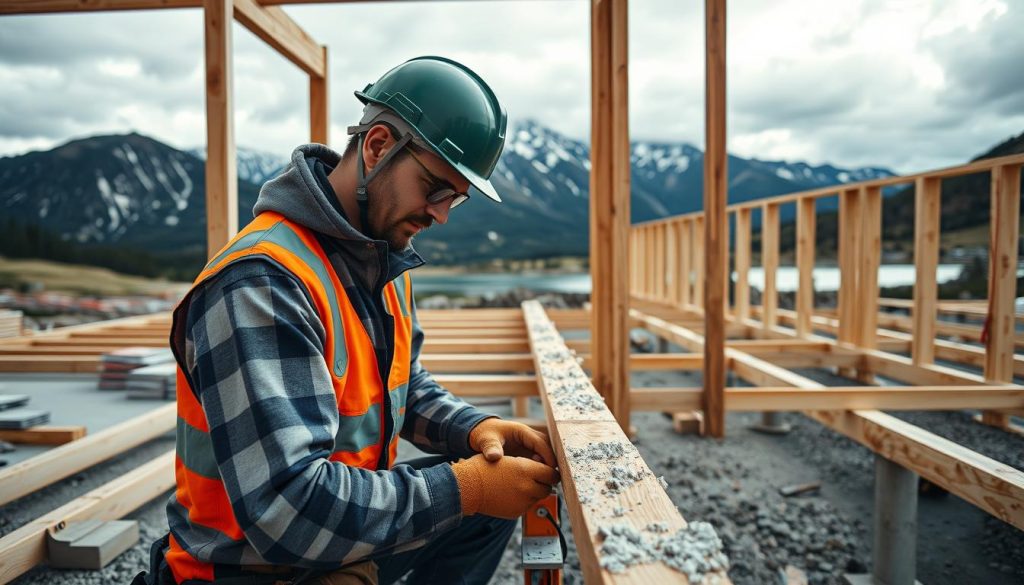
x=122, y=189
x=133, y=190
x=255, y=166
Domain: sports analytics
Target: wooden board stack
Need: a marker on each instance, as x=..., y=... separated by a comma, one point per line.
x=118, y=365
x=152, y=382
x=10, y=323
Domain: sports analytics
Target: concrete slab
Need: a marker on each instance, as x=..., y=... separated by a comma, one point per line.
x=71, y=399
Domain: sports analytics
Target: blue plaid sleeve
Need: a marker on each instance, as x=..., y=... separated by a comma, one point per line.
x=435, y=420
x=254, y=351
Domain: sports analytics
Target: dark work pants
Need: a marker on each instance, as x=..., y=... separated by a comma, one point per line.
x=466, y=555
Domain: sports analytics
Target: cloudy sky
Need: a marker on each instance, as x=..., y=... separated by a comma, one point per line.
x=905, y=84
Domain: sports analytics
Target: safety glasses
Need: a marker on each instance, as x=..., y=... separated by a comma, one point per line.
x=440, y=190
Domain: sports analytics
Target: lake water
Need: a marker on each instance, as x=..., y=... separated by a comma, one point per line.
x=825, y=279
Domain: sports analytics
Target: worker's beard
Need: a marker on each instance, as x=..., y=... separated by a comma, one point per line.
x=385, y=220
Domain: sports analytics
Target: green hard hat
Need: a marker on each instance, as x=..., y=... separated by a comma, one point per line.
x=452, y=109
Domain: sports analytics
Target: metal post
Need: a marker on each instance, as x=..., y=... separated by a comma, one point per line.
x=772, y=424
x=662, y=345
x=895, y=542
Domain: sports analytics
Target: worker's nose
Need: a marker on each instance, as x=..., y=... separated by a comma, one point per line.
x=439, y=212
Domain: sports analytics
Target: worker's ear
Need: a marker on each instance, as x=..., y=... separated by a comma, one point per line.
x=376, y=145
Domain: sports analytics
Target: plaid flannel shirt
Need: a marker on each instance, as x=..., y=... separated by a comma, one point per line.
x=254, y=353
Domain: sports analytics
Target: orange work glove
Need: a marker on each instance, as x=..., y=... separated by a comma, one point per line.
x=505, y=488
x=495, y=437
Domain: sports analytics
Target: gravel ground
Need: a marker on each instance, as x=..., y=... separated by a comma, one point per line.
x=733, y=484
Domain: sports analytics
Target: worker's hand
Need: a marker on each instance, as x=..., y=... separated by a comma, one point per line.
x=495, y=437
x=505, y=488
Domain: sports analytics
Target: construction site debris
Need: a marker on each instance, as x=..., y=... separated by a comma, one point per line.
x=694, y=551
x=799, y=488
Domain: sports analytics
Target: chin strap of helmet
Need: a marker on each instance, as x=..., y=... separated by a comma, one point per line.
x=362, y=194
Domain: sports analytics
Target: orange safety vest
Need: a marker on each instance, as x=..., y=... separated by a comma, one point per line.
x=349, y=356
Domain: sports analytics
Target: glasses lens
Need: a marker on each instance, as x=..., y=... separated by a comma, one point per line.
x=442, y=195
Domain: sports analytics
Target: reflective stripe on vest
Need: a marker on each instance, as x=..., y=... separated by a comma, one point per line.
x=349, y=357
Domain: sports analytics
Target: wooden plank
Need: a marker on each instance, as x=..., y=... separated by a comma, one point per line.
x=474, y=346
x=489, y=385
x=25, y=547
x=770, y=264
x=517, y=333
x=835, y=398
x=609, y=202
x=666, y=361
x=671, y=264
x=697, y=259
x=662, y=256
x=960, y=170
x=716, y=193
x=44, y=435
x=742, y=259
x=49, y=363
x=990, y=485
x=320, y=105
x=9, y=7
x=60, y=462
x=869, y=258
x=1004, y=238
x=221, y=164
x=685, y=264
x=588, y=505
x=476, y=363
x=849, y=245
x=927, y=208
x=273, y=26
x=805, y=265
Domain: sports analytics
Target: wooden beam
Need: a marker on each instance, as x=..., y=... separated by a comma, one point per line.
x=716, y=193
x=927, y=209
x=742, y=259
x=476, y=363
x=685, y=264
x=805, y=221
x=10, y=7
x=850, y=225
x=320, y=105
x=869, y=257
x=955, y=171
x=489, y=385
x=992, y=486
x=273, y=25
x=49, y=363
x=770, y=264
x=25, y=547
x=609, y=202
x=433, y=345
x=572, y=428
x=60, y=462
x=43, y=435
x=693, y=362
x=698, y=262
x=787, y=399
x=1004, y=238
x=221, y=185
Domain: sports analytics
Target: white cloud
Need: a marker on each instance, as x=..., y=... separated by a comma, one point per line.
x=905, y=84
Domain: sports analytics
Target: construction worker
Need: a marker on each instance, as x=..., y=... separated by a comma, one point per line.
x=298, y=350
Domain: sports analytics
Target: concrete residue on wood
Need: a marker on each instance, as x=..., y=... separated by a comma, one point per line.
x=694, y=551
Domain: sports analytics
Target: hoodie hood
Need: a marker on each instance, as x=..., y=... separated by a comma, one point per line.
x=297, y=195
